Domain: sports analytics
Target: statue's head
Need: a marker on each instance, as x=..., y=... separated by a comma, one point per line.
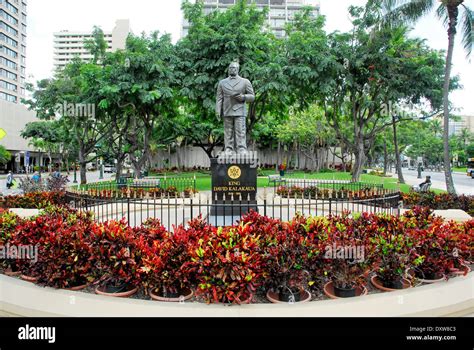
x=234, y=69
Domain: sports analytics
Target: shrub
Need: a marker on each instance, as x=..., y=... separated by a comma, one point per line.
x=227, y=265
x=35, y=200
x=115, y=255
x=349, y=253
x=285, y=259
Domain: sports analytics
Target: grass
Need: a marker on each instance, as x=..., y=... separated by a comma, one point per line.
x=460, y=170
x=203, y=179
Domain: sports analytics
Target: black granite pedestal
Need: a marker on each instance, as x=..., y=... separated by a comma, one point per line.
x=234, y=189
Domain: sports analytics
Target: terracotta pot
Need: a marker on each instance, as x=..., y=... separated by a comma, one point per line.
x=305, y=296
x=377, y=283
x=185, y=295
x=11, y=273
x=29, y=278
x=459, y=272
x=329, y=290
x=101, y=291
x=77, y=288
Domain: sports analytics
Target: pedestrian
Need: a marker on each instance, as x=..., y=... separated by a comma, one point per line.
x=36, y=177
x=9, y=180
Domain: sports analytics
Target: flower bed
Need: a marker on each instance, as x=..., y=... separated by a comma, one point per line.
x=316, y=192
x=439, y=201
x=138, y=192
x=34, y=200
x=236, y=264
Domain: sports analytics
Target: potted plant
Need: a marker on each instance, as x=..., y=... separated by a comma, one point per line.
x=163, y=267
x=227, y=265
x=8, y=224
x=394, y=249
x=116, y=259
x=67, y=250
x=285, y=256
x=349, y=256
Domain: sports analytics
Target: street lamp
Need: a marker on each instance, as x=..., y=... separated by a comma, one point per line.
x=101, y=175
x=75, y=174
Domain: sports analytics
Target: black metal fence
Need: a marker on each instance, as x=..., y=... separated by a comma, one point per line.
x=175, y=211
x=335, y=185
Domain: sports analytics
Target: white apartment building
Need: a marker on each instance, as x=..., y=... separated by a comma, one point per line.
x=12, y=49
x=13, y=114
x=464, y=122
x=68, y=44
x=280, y=11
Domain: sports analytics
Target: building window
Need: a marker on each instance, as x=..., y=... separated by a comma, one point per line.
x=8, y=17
x=8, y=63
x=8, y=29
x=7, y=85
x=7, y=74
x=7, y=97
x=10, y=7
x=8, y=40
x=8, y=52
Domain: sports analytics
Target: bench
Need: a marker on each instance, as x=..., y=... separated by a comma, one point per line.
x=146, y=183
x=275, y=180
x=423, y=188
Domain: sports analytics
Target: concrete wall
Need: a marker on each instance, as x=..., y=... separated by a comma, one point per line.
x=190, y=157
x=13, y=118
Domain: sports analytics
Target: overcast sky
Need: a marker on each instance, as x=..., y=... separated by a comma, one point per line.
x=48, y=16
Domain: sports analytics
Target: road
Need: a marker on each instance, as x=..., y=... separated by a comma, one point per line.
x=463, y=183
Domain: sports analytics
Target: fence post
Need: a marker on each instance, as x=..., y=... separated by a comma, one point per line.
x=128, y=209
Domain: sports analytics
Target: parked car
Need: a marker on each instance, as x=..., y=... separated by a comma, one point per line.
x=110, y=168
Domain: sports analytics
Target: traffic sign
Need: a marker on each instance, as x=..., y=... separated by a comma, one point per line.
x=3, y=133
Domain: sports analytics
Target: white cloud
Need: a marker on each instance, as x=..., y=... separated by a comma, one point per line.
x=48, y=16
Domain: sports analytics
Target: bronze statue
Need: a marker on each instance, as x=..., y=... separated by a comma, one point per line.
x=232, y=95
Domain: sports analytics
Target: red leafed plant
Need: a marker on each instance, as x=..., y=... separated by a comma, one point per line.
x=164, y=267
x=66, y=255
x=34, y=200
x=115, y=255
x=349, y=254
x=8, y=225
x=227, y=265
x=31, y=235
x=286, y=254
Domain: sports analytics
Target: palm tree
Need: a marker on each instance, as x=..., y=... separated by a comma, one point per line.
x=449, y=11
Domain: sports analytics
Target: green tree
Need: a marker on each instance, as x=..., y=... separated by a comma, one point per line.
x=213, y=42
x=5, y=156
x=449, y=11
x=312, y=133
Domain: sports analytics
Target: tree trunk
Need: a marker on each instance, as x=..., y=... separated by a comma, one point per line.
x=453, y=18
x=82, y=164
x=398, y=161
x=385, y=157
x=360, y=159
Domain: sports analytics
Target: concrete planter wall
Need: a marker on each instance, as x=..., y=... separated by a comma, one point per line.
x=452, y=298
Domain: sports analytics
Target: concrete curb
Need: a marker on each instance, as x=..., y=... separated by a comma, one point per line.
x=452, y=298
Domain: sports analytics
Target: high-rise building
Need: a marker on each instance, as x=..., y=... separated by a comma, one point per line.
x=68, y=44
x=12, y=49
x=463, y=122
x=13, y=114
x=279, y=14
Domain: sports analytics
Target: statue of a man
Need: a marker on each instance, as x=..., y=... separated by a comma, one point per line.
x=232, y=95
